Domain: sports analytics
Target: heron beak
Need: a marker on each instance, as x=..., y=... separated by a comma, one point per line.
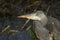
x=23, y=16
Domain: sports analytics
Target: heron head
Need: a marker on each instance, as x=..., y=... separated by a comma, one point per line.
x=34, y=16
x=37, y=16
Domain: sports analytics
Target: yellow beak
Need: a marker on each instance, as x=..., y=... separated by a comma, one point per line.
x=23, y=16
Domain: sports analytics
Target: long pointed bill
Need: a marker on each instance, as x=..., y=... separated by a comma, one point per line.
x=23, y=16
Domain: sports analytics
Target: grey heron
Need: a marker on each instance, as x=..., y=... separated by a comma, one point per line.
x=42, y=25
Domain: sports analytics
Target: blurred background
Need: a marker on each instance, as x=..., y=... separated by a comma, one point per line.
x=10, y=25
